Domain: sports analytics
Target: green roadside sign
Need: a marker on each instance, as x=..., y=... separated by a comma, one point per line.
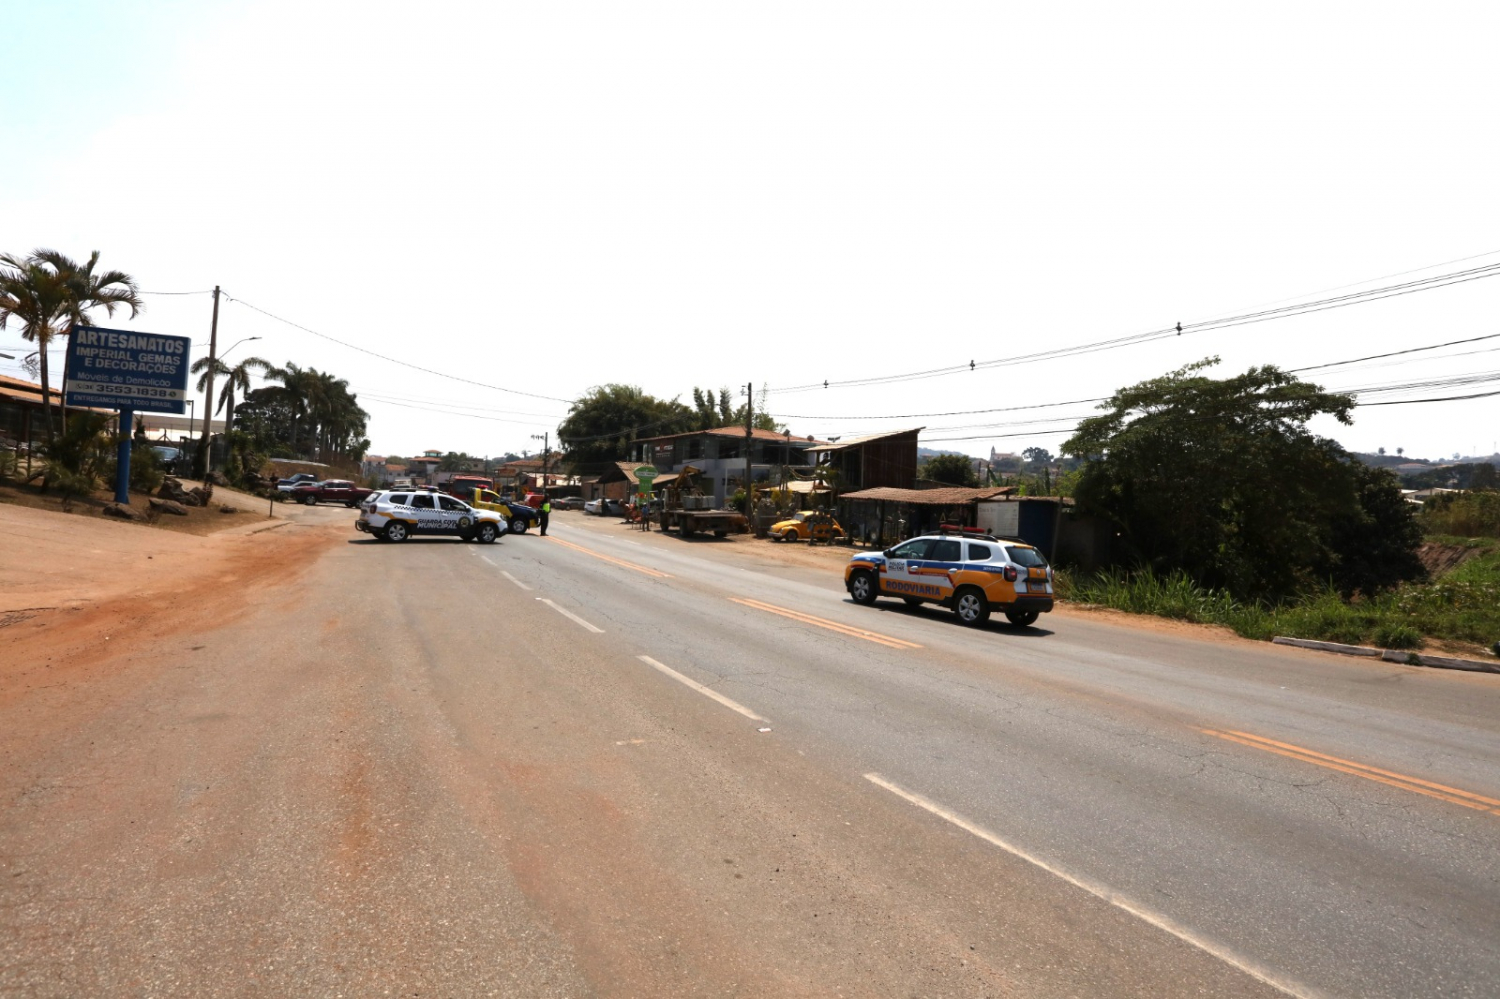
x=644, y=475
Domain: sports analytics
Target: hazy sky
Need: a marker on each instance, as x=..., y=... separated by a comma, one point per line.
x=533, y=199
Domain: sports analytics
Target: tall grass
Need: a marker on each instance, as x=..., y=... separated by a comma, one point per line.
x=1463, y=605
x=1469, y=514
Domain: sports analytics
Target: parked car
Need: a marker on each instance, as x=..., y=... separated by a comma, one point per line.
x=806, y=525
x=968, y=572
x=568, y=503
x=519, y=517
x=291, y=482
x=396, y=516
x=604, y=507
x=330, y=491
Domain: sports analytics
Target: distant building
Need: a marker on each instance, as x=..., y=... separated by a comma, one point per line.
x=720, y=455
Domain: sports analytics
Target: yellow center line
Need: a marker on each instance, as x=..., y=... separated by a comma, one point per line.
x=1442, y=792
x=843, y=629
x=608, y=558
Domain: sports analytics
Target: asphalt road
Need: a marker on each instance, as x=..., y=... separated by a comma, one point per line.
x=625, y=765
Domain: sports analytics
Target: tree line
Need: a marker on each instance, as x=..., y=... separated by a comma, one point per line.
x=605, y=421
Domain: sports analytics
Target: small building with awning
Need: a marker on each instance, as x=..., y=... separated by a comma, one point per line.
x=870, y=460
x=886, y=514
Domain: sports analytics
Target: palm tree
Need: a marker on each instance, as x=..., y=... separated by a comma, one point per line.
x=37, y=297
x=50, y=293
x=236, y=381
x=294, y=392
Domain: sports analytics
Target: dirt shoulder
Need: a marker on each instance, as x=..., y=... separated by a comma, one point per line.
x=76, y=586
x=228, y=509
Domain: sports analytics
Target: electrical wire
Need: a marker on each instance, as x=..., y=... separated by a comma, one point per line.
x=1395, y=353
x=393, y=360
x=1265, y=315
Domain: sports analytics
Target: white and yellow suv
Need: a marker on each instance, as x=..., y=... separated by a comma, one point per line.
x=965, y=571
x=396, y=516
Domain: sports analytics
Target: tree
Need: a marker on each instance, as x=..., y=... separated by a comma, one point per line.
x=603, y=423
x=1221, y=479
x=1037, y=455
x=49, y=293
x=954, y=469
x=306, y=413
x=1380, y=451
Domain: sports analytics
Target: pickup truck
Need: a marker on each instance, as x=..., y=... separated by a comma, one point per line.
x=518, y=516
x=330, y=491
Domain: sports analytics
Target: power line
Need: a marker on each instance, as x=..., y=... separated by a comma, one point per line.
x=467, y=416
x=1265, y=315
x=394, y=360
x=1395, y=353
x=208, y=292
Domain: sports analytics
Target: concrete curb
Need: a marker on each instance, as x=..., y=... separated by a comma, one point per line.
x=1392, y=655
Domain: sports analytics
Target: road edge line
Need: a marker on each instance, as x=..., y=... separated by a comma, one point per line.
x=1113, y=898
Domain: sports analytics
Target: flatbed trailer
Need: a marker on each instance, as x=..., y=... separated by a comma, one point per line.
x=688, y=510
x=717, y=522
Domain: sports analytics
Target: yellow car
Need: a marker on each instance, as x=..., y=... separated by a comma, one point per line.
x=808, y=525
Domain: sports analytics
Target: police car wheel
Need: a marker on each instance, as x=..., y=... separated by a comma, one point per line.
x=970, y=606
x=863, y=588
x=396, y=531
x=486, y=533
x=518, y=525
x=1022, y=619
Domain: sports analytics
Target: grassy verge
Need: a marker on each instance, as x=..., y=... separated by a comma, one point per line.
x=1461, y=606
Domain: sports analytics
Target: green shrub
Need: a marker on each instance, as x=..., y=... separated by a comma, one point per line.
x=1468, y=514
x=69, y=484
x=1397, y=636
x=146, y=471
x=1463, y=605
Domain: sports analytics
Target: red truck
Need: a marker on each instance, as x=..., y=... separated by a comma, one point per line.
x=330, y=491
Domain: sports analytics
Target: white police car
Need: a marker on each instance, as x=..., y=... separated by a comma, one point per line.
x=958, y=568
x=396, y=516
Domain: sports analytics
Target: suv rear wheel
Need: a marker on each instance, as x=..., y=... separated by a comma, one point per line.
x=396, y=531
x=518, y=525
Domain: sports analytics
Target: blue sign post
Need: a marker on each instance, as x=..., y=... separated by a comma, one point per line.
x=127, y=371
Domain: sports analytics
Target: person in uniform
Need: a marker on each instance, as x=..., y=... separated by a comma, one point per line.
x=546, y=511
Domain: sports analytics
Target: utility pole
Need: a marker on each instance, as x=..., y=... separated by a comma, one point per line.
x=202, y=461
x=749, y=440
x=546, y=439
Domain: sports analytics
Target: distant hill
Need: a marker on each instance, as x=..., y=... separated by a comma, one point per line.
x=927, y=452
x=1394, y=460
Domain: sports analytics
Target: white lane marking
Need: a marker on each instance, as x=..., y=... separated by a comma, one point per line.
x=571, y=616
x=706, y=692
x=514, y=580
x=485, y=558
x=1099, y=891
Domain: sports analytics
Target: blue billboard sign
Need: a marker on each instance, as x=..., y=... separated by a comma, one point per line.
x=120, y=369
